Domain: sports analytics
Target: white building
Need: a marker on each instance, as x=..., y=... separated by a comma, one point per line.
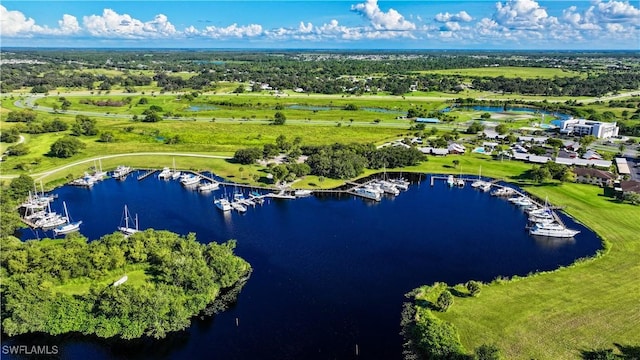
x=601, y=130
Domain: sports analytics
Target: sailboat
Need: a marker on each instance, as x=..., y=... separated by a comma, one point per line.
x=176, y=174
x=69, y=227
x=126, y=230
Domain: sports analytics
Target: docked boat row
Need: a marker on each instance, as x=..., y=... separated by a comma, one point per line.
x=375, y=189
x=452, y=181
x=121, y=172
x=544, y=222
x=88, y=180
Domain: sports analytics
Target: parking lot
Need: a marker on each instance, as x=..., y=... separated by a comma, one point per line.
x=634, y=166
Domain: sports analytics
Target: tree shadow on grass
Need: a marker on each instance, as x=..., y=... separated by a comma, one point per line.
x=458, y=293
x=627, y=352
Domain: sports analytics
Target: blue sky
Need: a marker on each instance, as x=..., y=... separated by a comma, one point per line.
x=339, y=24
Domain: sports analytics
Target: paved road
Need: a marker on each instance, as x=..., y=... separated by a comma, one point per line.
x=39, y=176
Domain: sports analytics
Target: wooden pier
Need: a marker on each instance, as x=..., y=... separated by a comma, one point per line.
x=146, y=174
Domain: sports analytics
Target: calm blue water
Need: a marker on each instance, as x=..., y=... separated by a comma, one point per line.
x=201, y=108
x=501, y=109
x=329, y=273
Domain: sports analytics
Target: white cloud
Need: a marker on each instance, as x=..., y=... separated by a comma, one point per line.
x=113, y=25
x=522, y=14
x=233, y=31
x=68, y=25
x=380, y=20
x=446, y=17
x=615, y=12
x=14, y=23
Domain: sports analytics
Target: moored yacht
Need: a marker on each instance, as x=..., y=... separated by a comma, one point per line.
x=189, y=179
x=209, y=186
x=369, y=193
x=223, y=204
x=552, y=230
x=69, y=227
x=126, y=230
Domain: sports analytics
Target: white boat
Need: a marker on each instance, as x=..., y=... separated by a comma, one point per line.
x=552, y=230
x=302, y=193
x=517, y=198
x=69, y=227
x=389, y=188
x=126, y=230
x=121, y=172
x=256, y=197
x=210, y=186
x=176, y=175
x=165, y=174
x=400, y=183
x=460, y=183
x=369, y=193
x=238, y=207
x=85, y=181
x=223, y=204
x=505, y=191
x=485, y=187
x=50, y=220
x=190, y=180
x=451, y=181
x=523, y=202
x=478, y=183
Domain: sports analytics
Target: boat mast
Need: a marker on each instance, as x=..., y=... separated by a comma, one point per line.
x=126, y=217
x=66, y=213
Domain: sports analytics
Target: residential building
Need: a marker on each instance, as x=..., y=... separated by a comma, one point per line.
x=594, y=176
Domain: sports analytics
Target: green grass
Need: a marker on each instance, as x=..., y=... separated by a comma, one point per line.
x=555, y=315
x=136, y=276
x=508, y=72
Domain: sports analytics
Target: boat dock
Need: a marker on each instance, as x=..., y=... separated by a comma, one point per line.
x=146, y=174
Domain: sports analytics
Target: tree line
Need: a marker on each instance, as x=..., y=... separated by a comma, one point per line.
x=182, y=277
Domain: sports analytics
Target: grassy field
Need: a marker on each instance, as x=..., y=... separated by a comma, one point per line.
x=136, y=276
x=508, y=72
x=589, y=305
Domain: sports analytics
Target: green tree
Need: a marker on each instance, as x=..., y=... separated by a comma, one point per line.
x=282, y=143
x=66, y=147
x=540, y=174
x=279, y=172
x=279, y=118
x=633, y=198
x=586, y=140
x=475, y=128
x=18, y=150
x=487, y=352
x=84, y=126
x=106, y=136
x=247, y=156
x=473, y=287
x=502, y=129
x=456, y=162
x=152, y=117
x=10, y=136
x=445, y=300
x=20, y=187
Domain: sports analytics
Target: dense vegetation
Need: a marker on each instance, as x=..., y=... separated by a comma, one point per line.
x=61, y=286
x=318, y=73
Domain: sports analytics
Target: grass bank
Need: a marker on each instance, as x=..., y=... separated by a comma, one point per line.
x=556, y=315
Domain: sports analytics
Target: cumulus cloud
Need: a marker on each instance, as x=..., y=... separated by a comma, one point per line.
x=113, y=25
x=68, y=25
x=446, y=17
x=522, y=14
x=380, y=20
x=232, y=31
x=16, y=24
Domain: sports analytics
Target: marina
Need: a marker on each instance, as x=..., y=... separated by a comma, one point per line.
x=328, y=252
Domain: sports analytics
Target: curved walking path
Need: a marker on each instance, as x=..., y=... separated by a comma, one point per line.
x=39, y=176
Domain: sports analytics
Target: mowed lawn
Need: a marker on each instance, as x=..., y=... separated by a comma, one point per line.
x=509, y=72
x=556, y=315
